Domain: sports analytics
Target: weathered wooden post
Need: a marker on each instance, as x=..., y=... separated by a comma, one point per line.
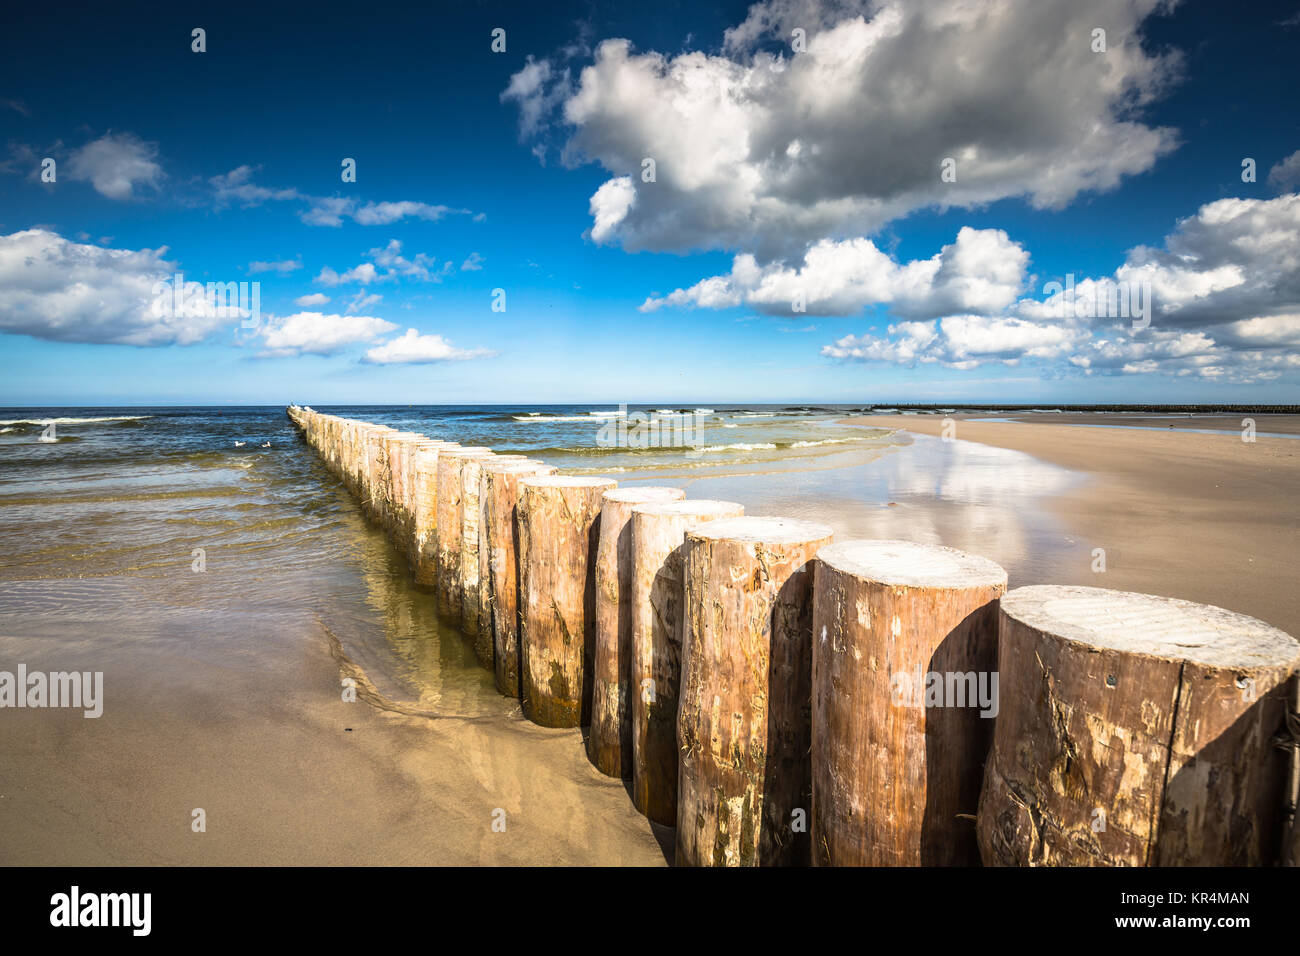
x=559, y=518
x=501, y=501
x=658, y=546
x=905, y=690
x=424, y=545
x=471, y=515
x=1134, y=730
x=356, y=457
x=395, y=488
x=410, y=451
x=376, y=472
x=743, y=720
x=451, y=520
x=485, y=638
x=609, y=742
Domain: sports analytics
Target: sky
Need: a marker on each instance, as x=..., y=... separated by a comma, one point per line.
x=1028, y=201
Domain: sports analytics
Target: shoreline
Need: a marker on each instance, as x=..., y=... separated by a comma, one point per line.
x=1206, y=518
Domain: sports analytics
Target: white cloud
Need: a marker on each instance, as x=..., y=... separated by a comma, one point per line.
x=281, y=266
x=365, y=274
x=314, y=298
x=116, y=165
x=538, y=88
x=1223, y=305
x=51, y=288
x=770, y=152
x=473, y=263
x=982, y=271
x=414, y=349
x=1286, y=174
x=960, y=341
x=319, y=334
x=362, y=301
x=383, y=213
x=394, y=265
x=237, y=187
x=610, y=205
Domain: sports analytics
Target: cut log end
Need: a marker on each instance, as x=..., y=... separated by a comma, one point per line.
x=760, y=530
x=912, y=565
x=1146, y=624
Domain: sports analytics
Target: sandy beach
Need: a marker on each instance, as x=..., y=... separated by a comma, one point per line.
x=222, y=689
x=285, y=771
x=1208, y=518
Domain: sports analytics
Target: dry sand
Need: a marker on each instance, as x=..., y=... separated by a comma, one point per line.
x=1208, y=518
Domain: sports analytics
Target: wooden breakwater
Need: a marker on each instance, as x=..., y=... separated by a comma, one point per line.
x=781, y=698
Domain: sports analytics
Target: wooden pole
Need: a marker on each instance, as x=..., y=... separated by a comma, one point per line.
x=658, y=547
x=559, y=520
x=609, y=742
x=424, y=545
x=904, y=695
x=376, y=469
x=451, y=526
x=471, y=515
x=743, y=720
x=1134, y=730
x=397, y=489
x=500, y=502
x=484, y=637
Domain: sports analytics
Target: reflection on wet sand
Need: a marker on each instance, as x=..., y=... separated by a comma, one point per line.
x=965, y=495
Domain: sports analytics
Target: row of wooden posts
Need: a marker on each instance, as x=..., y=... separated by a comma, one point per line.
x=782, y=699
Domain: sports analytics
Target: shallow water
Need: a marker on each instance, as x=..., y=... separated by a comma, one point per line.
x=152, y=525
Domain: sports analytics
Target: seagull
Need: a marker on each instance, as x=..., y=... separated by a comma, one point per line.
x=267, y=445
x=240, y=444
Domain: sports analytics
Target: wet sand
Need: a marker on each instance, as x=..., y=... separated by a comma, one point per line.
x=1208, y=518
x=286, y=771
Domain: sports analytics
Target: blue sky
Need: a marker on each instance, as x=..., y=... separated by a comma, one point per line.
x=1068, y=159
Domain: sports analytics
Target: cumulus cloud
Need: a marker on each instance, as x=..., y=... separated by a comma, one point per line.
x=982, y=271
x=52, y=288
x=770, y=151
x=318, y=333
x=1220, y=300
x=960, y=341
x=473, y=263
x=116, y=165
x=413, y=348
x=314, y=298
